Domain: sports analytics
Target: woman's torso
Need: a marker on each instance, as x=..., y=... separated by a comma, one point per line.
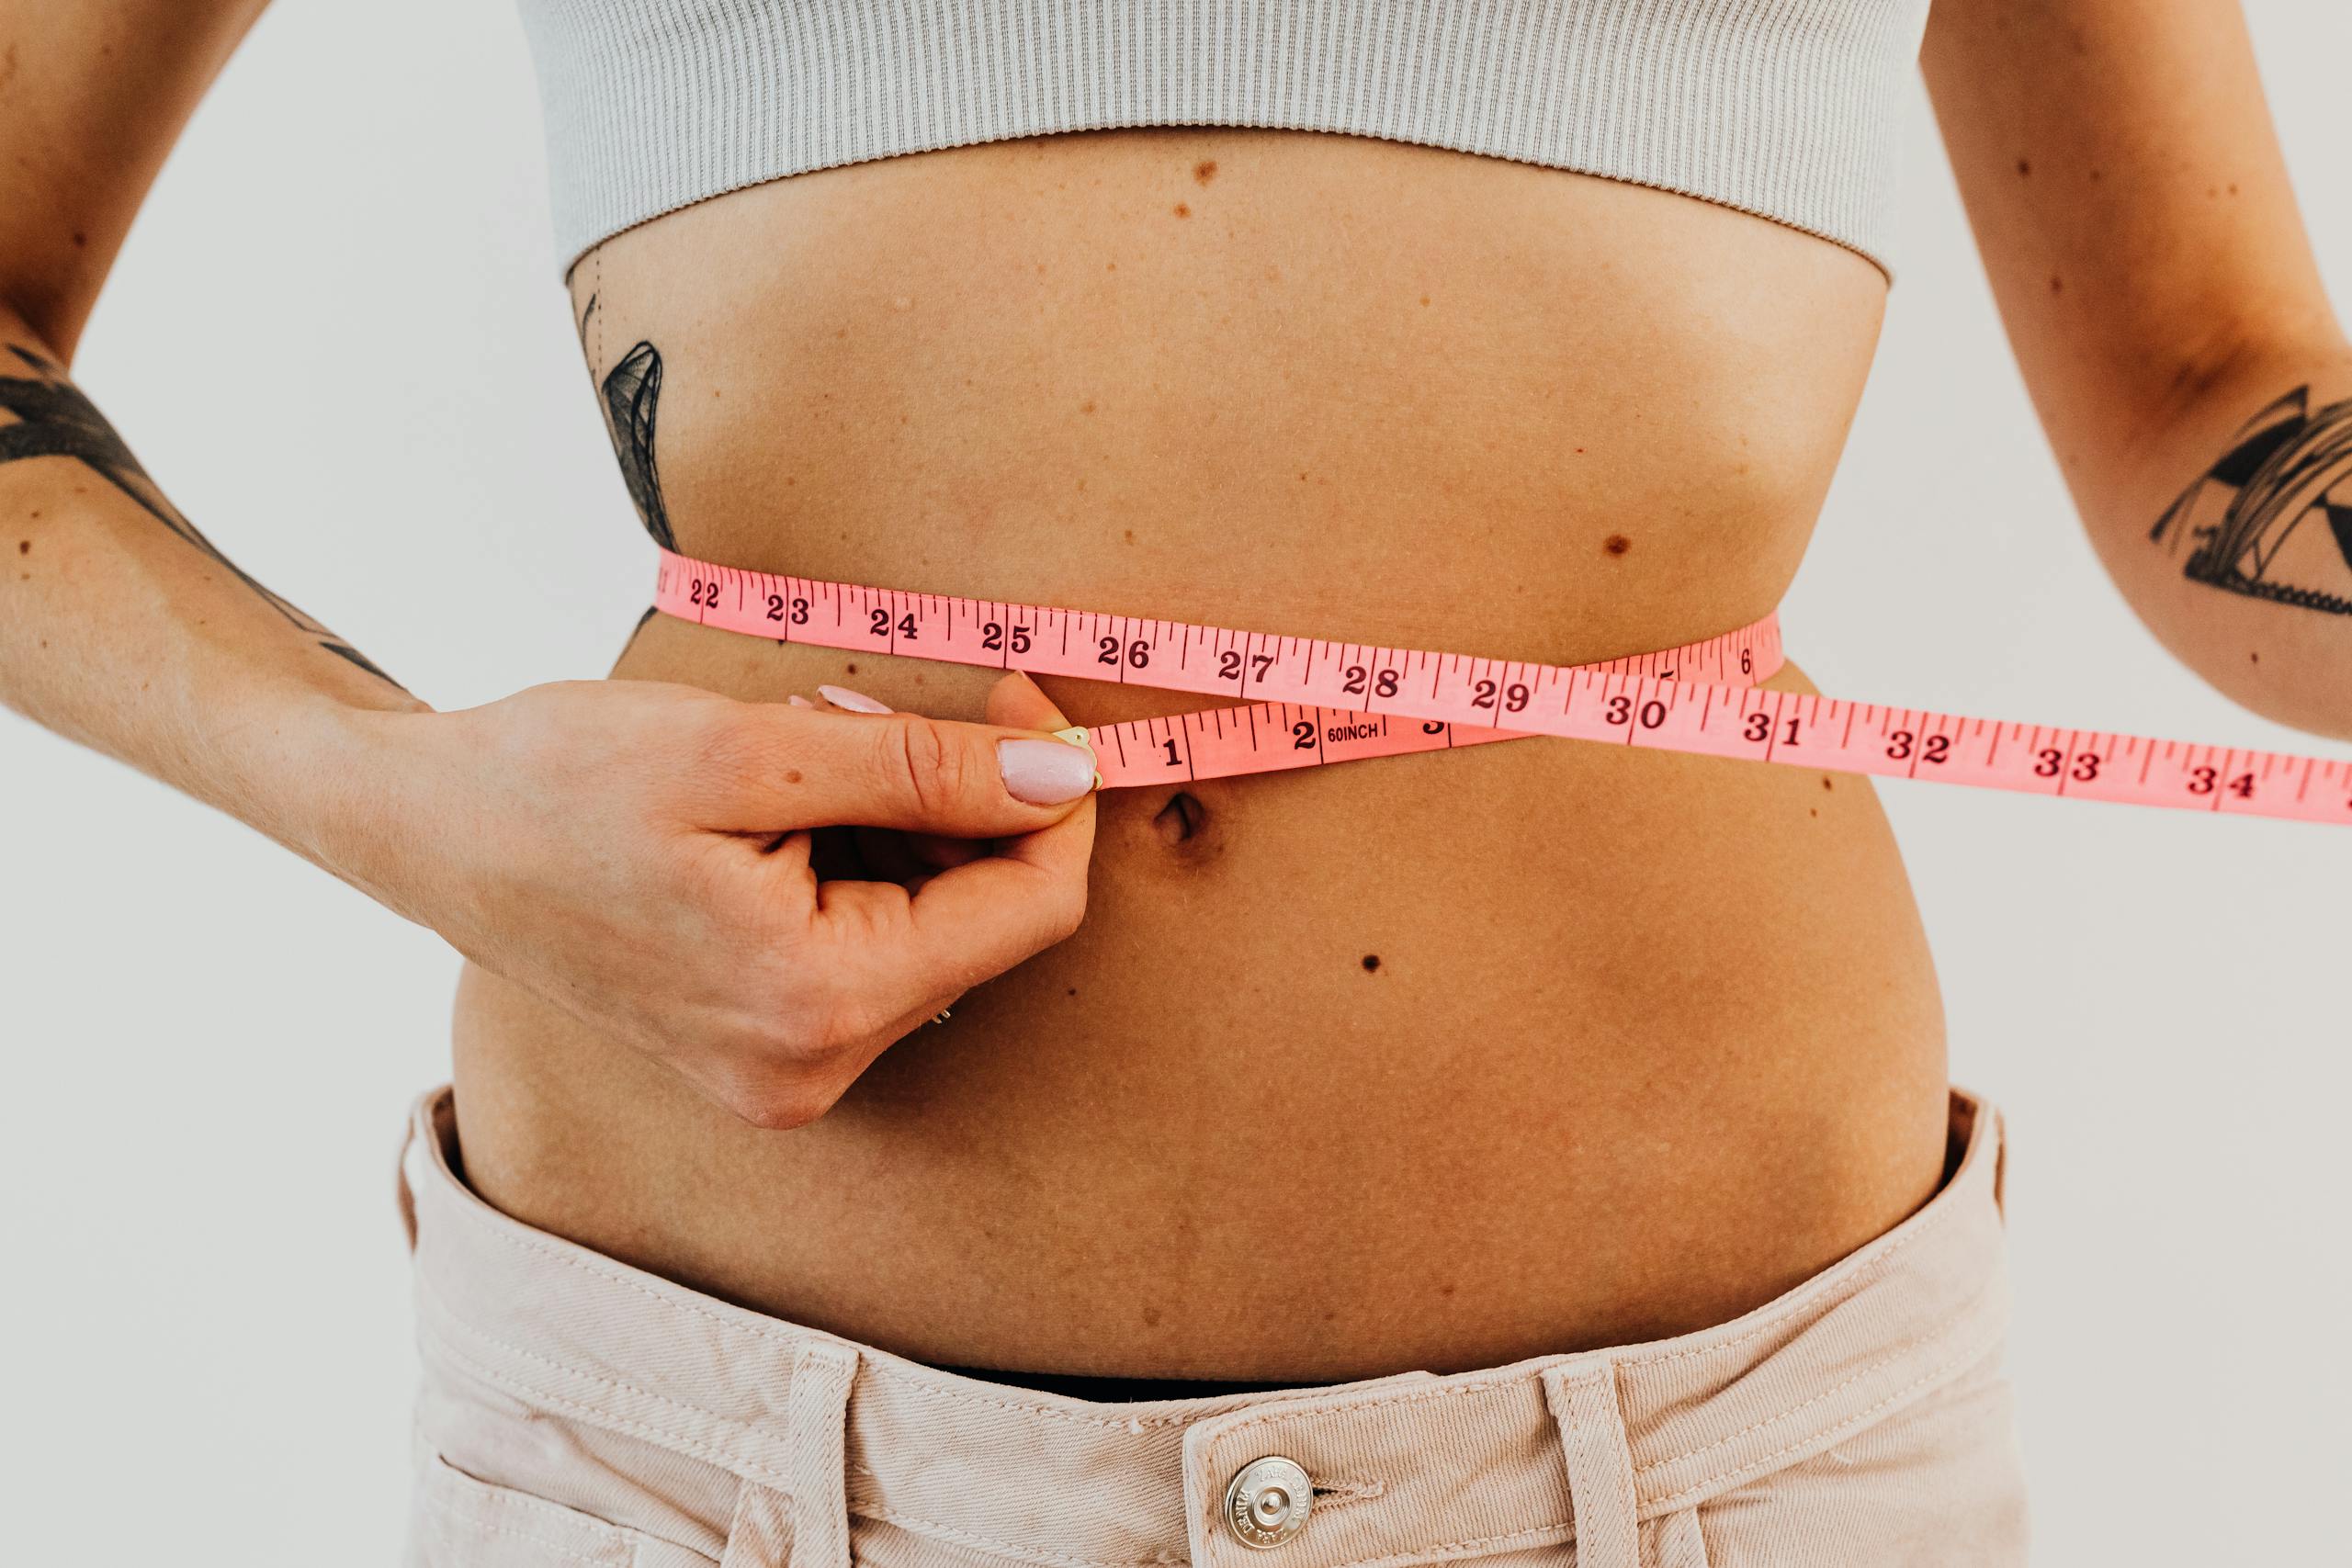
x=1439, y=1061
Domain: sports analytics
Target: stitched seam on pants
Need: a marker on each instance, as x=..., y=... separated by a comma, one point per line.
x=699, y=1448
x=1417, y=1395
x=1900, y=1351
x=1862, y=1278
x=693, y=1446
x=759, y=1472
x=1355, y=1491
x=1533, y=1535
x=1598, y=1459
x=469, y=1522
x=1114, y=1424
x=507, y=1497
x=482, y=1222
x=612, y=1385
x=1003, y=1548
x=1766, y=1461
x=683, y=1301
x=1866, y=1275
x=791, y=1339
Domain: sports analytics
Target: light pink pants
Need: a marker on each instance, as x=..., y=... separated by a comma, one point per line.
x=576, y=1411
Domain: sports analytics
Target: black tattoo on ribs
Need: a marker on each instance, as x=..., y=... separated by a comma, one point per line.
x=54, y=420
x=2273, y=517
x=632, y=393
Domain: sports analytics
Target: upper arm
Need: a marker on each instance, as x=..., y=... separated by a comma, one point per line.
x=2127, y=192
x=2132, y=206
x=93, y=93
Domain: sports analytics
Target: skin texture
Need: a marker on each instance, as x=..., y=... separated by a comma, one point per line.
x=1437, y=1062
x=1493, y=1118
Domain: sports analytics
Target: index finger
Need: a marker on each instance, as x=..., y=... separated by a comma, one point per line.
x=973, y=922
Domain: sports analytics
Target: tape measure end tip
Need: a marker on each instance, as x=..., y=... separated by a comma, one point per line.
x=1076, y=735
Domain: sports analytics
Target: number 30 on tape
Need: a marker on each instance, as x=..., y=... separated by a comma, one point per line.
x=1304, y=702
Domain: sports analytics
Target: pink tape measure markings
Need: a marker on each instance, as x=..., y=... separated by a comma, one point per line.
x=1312, y=702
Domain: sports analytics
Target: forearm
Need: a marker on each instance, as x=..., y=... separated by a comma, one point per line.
x=123, y=629
x=2215, y=520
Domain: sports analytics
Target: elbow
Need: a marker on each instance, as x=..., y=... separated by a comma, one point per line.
x=2284, y=679
x=50, y=316
x=2245, y=571
x=2282, y=653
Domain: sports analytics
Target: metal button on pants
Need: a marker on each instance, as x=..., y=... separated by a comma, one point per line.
x=1267, y=1500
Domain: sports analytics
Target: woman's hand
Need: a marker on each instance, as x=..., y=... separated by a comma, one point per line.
x=641, y=855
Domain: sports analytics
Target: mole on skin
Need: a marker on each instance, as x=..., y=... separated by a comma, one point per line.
x=1617, y=545
x=1371, y=962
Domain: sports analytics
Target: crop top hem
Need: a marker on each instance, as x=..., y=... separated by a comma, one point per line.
x=1787, y=109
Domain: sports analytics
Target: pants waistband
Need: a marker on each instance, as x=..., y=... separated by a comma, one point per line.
x=1414, y=1467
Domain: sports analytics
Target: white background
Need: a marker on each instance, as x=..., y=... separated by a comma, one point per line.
x=337, y=339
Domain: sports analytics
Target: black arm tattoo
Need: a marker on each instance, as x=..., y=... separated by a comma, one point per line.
x=54, y=420
x=2273, y=517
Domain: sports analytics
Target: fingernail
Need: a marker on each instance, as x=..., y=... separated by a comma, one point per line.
x=796, y=700
x=856, y=701
x=1045, y=772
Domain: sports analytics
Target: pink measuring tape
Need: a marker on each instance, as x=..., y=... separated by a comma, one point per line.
x=1310, y=701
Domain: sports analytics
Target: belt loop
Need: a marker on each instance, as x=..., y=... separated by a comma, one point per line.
x=1583, y=1399
x=816, y=1423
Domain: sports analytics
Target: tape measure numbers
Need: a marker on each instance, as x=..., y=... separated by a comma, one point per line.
x=1308, y=702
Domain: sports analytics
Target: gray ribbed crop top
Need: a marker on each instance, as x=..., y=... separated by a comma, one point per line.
x=1787, y=108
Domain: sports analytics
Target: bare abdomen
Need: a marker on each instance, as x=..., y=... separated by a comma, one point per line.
x=1435, y=1062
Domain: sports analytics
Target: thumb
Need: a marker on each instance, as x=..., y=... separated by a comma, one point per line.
x=923, y=775
x=970, y=921
x=1016, y=700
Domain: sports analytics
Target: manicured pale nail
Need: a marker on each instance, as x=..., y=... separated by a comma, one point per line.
x=796, y=700
x=1045, y=772
x=856, y=701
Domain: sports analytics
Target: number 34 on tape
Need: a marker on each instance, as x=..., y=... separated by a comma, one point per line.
x=1305, y=702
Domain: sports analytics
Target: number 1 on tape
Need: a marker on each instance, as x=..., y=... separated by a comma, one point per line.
x=1305, y=702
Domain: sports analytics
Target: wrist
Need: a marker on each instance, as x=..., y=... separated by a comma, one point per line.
x=346, y=792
